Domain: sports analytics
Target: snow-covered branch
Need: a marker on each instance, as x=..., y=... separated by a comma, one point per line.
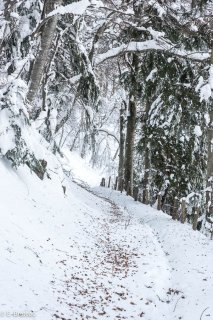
x=148, y=45
x=77, y=8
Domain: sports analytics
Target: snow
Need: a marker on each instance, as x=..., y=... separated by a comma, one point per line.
x=205, y=92
x=90, y=112
x=7, y=139
x=75, y=79
x=53, y=121
x=151, y=76
x=79, y=168
x=188, y=258
x=198, y=131
x=155, y=34
x=77, y=8
x=161, y=11
x=96, y=254
x=205, y=88
x=154, y=44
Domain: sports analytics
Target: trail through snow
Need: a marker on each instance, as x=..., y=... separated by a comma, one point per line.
x=188, y=255
x=85, y=256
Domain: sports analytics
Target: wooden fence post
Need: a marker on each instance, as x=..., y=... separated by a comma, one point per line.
x=175, y=209
x=183, y=211
x=147, y=196
x=195, y=218
x=135, y=193
x=109, y=182
x=140, y=197
x=159, y=201
x=116, y=183
x=103, y=182
x=122, y=185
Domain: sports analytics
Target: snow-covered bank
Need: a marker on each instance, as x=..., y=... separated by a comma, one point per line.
x=188, y=255
x=81, y=256
x=79, y=169
x=73, y=256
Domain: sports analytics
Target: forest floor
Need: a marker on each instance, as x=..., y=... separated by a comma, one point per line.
x=96, y=254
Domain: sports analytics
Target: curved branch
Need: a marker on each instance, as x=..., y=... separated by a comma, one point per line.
x=109, y=134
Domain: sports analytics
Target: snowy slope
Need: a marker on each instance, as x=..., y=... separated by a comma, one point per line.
x=79, y=256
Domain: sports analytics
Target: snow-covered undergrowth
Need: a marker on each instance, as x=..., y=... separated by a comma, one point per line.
x=82, y=256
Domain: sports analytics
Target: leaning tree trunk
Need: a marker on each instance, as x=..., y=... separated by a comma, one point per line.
x=121, y=147
x=47, y=36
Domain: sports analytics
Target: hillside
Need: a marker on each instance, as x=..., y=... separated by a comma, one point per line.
x=86, y=256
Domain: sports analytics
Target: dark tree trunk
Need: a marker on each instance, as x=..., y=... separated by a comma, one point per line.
x=121, y=147
x=41, y=60
x=210, y=125
x=129, y=149
x=146, y=156
x=131, y=124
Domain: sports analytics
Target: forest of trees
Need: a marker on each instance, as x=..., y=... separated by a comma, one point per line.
x=128, y=82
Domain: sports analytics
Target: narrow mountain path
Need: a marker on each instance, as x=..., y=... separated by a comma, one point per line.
x=79, y=256
x=188, y=256
x=121, y=271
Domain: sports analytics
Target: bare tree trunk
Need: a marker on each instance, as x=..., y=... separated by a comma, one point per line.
x=121, y=147
x=210, y=147
x=210, y=126
x=47, y=36
x=146, y=174
x=146, y=155
x=129, y=149
x=131, y=124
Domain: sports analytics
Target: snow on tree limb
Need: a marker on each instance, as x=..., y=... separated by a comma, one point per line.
x=77, y=8
x=157, y=45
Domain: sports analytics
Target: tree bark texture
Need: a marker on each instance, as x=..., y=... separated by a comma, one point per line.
x=131, y=125
x=210, y=126
x=47, y=36
x=129, y=148
x=121, y=147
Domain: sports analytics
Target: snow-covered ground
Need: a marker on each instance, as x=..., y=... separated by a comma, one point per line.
x=86, y=256
x=181, y=266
